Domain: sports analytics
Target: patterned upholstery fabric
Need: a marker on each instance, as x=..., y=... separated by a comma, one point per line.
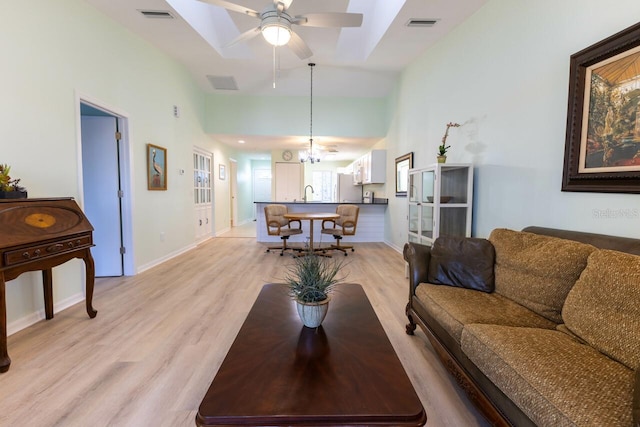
x=346, y=224
x=275, y=214
x=603, y=308
x=554, y=379
x=456, y=307
x=537, y=271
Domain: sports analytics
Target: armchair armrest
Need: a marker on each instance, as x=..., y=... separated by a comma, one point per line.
x=273, y=224
x=348, y=228
x=418, y=257
x=333, y=223
x=295, y=220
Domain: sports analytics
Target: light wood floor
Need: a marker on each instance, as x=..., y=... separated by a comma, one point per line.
x=159, y=338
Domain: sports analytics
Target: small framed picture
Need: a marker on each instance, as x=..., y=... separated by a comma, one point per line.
x=156, y=168
x=222, y=172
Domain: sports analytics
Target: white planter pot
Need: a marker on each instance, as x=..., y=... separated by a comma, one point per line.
x=312, y=313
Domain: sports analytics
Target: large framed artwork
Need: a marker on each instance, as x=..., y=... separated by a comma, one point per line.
x=156, y=167
x=602, y=147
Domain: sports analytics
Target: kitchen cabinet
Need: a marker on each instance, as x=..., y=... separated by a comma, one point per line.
x=370, y=168
x=288, y=183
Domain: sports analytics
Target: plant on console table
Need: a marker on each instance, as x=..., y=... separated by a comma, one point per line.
x=311, y=279
x=9, y=187
x=442, y=148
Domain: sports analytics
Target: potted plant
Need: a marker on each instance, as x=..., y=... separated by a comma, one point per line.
x=9, y=187
x=442, y=148
x=311, y=279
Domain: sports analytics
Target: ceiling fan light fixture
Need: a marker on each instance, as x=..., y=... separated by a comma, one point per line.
x=276, y=35
x=276, y=29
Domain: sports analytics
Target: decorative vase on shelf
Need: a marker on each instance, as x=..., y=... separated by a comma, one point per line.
x=312, y=313
x=442, y=159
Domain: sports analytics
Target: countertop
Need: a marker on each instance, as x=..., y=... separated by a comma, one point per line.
x=375, y=202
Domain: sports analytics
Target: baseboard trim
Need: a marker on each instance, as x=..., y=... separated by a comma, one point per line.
x=39, y=315
x=165, y=258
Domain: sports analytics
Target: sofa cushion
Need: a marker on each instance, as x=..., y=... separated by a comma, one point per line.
x=636, y=400
x=464, y=262
x=554, y=379
x=456, y=307
x=603, y=308
x=537, y=271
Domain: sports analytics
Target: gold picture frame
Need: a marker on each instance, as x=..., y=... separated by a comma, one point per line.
x=156, y=168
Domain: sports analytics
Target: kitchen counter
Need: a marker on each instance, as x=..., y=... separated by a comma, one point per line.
x=370, y=222
x=345, y=202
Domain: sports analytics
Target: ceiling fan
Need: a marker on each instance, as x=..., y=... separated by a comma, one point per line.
x=275, y=24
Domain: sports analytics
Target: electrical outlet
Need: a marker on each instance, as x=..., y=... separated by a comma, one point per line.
x=162, y=236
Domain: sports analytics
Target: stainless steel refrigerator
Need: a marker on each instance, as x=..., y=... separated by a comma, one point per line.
x=346, y=191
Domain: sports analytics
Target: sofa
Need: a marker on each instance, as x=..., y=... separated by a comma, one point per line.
x=538, y=327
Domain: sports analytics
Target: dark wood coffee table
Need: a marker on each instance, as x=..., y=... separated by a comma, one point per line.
x=278, y=372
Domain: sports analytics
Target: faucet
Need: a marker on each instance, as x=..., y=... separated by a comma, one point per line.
x=305, y=192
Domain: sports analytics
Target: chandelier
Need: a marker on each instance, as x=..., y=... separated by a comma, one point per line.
x=311, y=155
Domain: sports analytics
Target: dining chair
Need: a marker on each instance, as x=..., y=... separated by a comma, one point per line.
x=278, y=225
x=345, y=225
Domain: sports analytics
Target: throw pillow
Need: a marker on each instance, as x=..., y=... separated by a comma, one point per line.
x=464, y=262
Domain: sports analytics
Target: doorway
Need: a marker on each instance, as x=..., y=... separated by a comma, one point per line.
x=105, y=184
x=233, y=192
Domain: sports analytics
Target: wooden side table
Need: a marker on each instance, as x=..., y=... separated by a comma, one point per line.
x=39, y=234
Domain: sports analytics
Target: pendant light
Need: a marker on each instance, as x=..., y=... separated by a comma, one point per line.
x=311, y=155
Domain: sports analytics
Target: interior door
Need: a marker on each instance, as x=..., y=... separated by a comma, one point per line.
x=233, y=187
x=101, y=182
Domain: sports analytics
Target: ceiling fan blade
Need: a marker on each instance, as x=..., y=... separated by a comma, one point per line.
x=299, y=47
x=233, y=7
x=329, y=19
x=247, y=35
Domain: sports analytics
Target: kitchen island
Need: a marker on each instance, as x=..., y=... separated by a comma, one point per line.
x=370, y=222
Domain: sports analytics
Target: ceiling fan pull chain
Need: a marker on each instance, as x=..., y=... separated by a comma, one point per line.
x=274, y=66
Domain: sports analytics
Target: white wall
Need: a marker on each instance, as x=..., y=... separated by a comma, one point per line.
x=503, y=74
x=54, y=52
x=280, y=115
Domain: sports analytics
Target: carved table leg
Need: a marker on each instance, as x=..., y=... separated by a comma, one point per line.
x=47, y=287
x=90, y=272
x=5, y=361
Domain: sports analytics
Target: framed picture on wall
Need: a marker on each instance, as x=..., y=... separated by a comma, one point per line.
x=602, y=147
x=403, y=164
x=222, y=172
x=156, y=167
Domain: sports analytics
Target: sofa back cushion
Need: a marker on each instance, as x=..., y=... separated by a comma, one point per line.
x=537, y=271
x=603, y=308
x=464, y=262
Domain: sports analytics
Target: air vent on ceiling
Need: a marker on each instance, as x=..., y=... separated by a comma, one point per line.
x=223, y=82
x=156, y=14
x=414, y=22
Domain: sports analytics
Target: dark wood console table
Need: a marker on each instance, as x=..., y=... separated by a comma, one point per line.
x=39, y=234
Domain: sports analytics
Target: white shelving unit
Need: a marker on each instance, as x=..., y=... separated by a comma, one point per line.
x=440, y=201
